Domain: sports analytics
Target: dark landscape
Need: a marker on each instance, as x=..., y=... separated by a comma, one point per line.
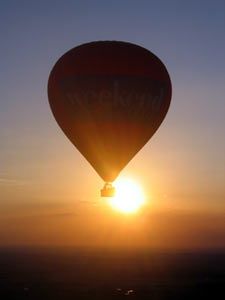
x=41, y=273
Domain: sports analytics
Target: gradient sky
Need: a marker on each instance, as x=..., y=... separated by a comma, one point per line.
x=49, y=194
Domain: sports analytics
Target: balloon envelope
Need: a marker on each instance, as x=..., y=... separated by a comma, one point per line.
x=109, y=98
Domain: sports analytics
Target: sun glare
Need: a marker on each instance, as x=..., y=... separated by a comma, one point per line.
x=129, y=196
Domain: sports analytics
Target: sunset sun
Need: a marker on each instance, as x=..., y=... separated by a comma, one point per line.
x=129, y=196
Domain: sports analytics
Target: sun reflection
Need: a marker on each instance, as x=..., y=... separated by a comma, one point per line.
x=129, y=196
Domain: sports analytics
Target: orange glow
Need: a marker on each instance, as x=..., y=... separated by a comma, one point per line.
x=129, y=196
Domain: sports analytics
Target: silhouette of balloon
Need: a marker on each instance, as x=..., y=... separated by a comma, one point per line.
x=109, y=98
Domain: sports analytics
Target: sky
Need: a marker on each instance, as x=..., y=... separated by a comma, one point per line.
x=49, y=194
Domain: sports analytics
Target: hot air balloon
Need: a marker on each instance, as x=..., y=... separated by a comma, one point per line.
x=109, y=98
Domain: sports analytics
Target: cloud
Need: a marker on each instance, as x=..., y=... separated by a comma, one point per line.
x=63, y=214
x=88, y=202
x=12, y=181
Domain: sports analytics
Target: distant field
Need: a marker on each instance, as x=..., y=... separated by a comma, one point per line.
x=104, y=274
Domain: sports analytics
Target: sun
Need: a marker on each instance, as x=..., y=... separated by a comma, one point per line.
x=129, y=196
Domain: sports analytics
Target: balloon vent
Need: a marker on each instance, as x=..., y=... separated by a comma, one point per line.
x=108, y=190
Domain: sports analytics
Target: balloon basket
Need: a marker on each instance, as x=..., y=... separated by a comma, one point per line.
x=108, y=190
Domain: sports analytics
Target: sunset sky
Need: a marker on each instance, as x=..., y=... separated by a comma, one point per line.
x=49, y=194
